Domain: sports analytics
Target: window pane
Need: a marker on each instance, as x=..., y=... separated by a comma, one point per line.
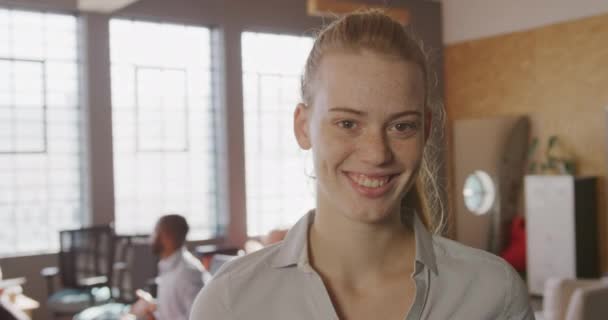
x=27, y=34
x=40, y=156
x=61, y=78
x=274, y=162
x=164, y=141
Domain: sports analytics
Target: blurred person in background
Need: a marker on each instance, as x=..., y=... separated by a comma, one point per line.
x=181, y=275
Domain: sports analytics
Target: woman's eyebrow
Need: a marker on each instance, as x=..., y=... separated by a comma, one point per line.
x=363, y=113
x=348, y=110
x=405, y=113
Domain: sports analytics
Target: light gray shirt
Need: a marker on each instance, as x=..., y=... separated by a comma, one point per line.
x=181, y=277
x=452, y=282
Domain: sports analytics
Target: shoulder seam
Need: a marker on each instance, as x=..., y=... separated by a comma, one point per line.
x=486, y=256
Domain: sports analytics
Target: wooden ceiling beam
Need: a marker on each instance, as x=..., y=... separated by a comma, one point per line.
x=103, y=6
x=331, y=8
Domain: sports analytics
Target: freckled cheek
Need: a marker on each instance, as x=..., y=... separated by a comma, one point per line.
x=409, y=156
x=409, y=159
x=409, y=153
x=330, y=152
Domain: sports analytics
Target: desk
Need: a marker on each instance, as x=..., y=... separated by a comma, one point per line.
x=25, y=304
x=18, y=305
x=14, y=298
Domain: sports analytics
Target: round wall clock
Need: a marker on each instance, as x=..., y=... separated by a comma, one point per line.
x=479, y=192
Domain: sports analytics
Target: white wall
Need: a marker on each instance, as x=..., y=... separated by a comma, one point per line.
x=473, y=19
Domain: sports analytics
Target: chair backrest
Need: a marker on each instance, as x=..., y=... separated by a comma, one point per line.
x=590, y=303
x=86, y=253
x=557, y=295
x=127, y=270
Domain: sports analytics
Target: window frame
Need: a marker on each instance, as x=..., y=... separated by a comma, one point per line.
x=287, y=108
x=44, y=107
x=78, y=106
x=217, y=112
x=227, y=25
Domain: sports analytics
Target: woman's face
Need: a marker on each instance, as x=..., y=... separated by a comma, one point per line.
x=366, y=130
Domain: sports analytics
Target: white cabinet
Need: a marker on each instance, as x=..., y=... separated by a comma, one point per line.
x=561, y=229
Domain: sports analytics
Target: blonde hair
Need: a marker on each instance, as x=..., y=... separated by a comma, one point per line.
x=372, y=30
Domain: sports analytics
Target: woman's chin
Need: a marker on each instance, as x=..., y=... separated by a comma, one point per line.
x=372, y=215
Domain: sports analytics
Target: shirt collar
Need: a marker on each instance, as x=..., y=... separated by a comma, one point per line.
x=425, y=253
x=171, y=261
x=294, y=248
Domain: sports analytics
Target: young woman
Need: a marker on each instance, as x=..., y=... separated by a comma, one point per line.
x=367, y=250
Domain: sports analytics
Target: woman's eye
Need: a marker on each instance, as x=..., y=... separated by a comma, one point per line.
x=346, y=124
x=405, y=127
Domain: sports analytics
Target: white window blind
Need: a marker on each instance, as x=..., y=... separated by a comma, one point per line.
x=163, y=126
x=279, y=187
x=40, y=153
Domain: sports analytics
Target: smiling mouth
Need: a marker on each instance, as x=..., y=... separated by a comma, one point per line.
x=371, y=186
x=369, y=181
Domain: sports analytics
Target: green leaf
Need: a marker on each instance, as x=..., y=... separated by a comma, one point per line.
x=552, y=141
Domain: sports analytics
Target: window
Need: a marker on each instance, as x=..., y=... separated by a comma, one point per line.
x=163, y=126
x=279, y=189
x=40, y=152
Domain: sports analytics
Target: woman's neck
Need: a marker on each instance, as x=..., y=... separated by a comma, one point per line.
x=351, y=249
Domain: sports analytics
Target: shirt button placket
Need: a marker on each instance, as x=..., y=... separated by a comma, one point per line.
x=421, y=280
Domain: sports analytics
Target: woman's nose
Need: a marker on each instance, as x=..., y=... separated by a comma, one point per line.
x=375, y=149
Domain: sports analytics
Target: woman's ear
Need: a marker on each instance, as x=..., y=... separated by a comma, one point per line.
x=301, y=118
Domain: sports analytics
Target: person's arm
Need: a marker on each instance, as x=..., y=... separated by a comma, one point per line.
x=145, y=306
x=189, y=288
x=152, y=314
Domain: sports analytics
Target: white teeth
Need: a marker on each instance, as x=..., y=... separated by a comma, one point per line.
x=370, y=182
